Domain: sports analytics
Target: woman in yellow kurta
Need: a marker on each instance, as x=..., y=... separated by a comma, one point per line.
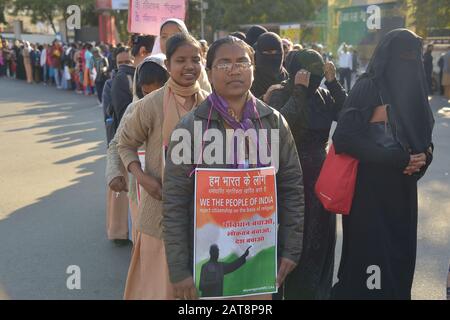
x=151, y=125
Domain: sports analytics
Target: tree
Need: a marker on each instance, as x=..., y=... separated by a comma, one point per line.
x=428, y=14
x=121, y=18
x=228, y=15
x=263, y=11
x=41, y=10
x=3, y=5
x=49, y=10
x=2, y=14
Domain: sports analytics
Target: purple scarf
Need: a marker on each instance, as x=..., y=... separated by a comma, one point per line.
x=221, y=106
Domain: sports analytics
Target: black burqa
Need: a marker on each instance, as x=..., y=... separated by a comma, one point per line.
x=239, y=35
x=380, y=234
x=428, y=64
x=269, y=68
x=253, y=34
x=310, y=113
x=20, y=66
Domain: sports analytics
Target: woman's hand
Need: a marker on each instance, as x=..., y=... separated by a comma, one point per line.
x=271, y=89
x=285, y=267
x=151, y=185
x=185, y=290
x=118, y=184
x=302, y=78
x=416, y=163
x=330, y=71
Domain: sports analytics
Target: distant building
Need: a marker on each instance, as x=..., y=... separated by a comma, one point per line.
x=347, y=22
x=21, y=27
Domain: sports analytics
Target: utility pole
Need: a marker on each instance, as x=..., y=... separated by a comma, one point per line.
x=202, y=5
x=202, y=20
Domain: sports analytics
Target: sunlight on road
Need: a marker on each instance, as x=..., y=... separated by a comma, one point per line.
x=444, y=112
x=3, y=294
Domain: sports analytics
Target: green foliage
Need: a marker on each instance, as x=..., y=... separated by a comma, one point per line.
x=2, y=14
x=3, y=5
x=428, y=14
x=229, y=14
x=48, y=10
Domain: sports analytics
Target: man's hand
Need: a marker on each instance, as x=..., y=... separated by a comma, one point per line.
x=284, y=268
x=330, y=71
x=118, y=184
x=185, y=290
x=302, y=78
x=247, y=252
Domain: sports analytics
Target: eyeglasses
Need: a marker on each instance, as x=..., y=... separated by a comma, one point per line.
x=240, y=66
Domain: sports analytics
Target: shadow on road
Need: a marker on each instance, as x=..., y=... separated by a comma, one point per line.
x=67, y=227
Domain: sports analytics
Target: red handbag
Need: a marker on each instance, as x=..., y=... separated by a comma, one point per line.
x=335, y=187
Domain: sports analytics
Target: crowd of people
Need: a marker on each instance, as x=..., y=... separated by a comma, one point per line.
x=80, y=67
x=253, y=81
x=86, y=67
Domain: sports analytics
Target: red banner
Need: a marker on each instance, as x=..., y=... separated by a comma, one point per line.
x=103, y=5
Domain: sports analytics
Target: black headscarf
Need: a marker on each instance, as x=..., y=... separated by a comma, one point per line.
x=253, y=34
x=239, y=35
x=309, y=60
x=396, y=76
x=269, y=67
x=288, y=58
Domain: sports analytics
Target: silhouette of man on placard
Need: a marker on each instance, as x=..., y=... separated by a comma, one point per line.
x=213, y=272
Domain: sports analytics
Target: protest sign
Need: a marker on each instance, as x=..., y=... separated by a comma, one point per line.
x=146, y=16
x=235, y=232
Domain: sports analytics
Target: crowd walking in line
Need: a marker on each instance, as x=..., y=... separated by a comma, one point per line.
x=153, y=86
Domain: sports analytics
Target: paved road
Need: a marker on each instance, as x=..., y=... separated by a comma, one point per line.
x=52, y=195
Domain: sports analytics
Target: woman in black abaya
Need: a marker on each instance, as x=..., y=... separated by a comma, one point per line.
x=253, y=34
x=310, y=111
x=269, y=68
x=387, y=124
x=20, y=70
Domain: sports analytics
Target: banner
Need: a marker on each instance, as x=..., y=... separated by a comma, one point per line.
x=291, y=32
x=146, y=16
x=235, y=240
x=103, y=4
